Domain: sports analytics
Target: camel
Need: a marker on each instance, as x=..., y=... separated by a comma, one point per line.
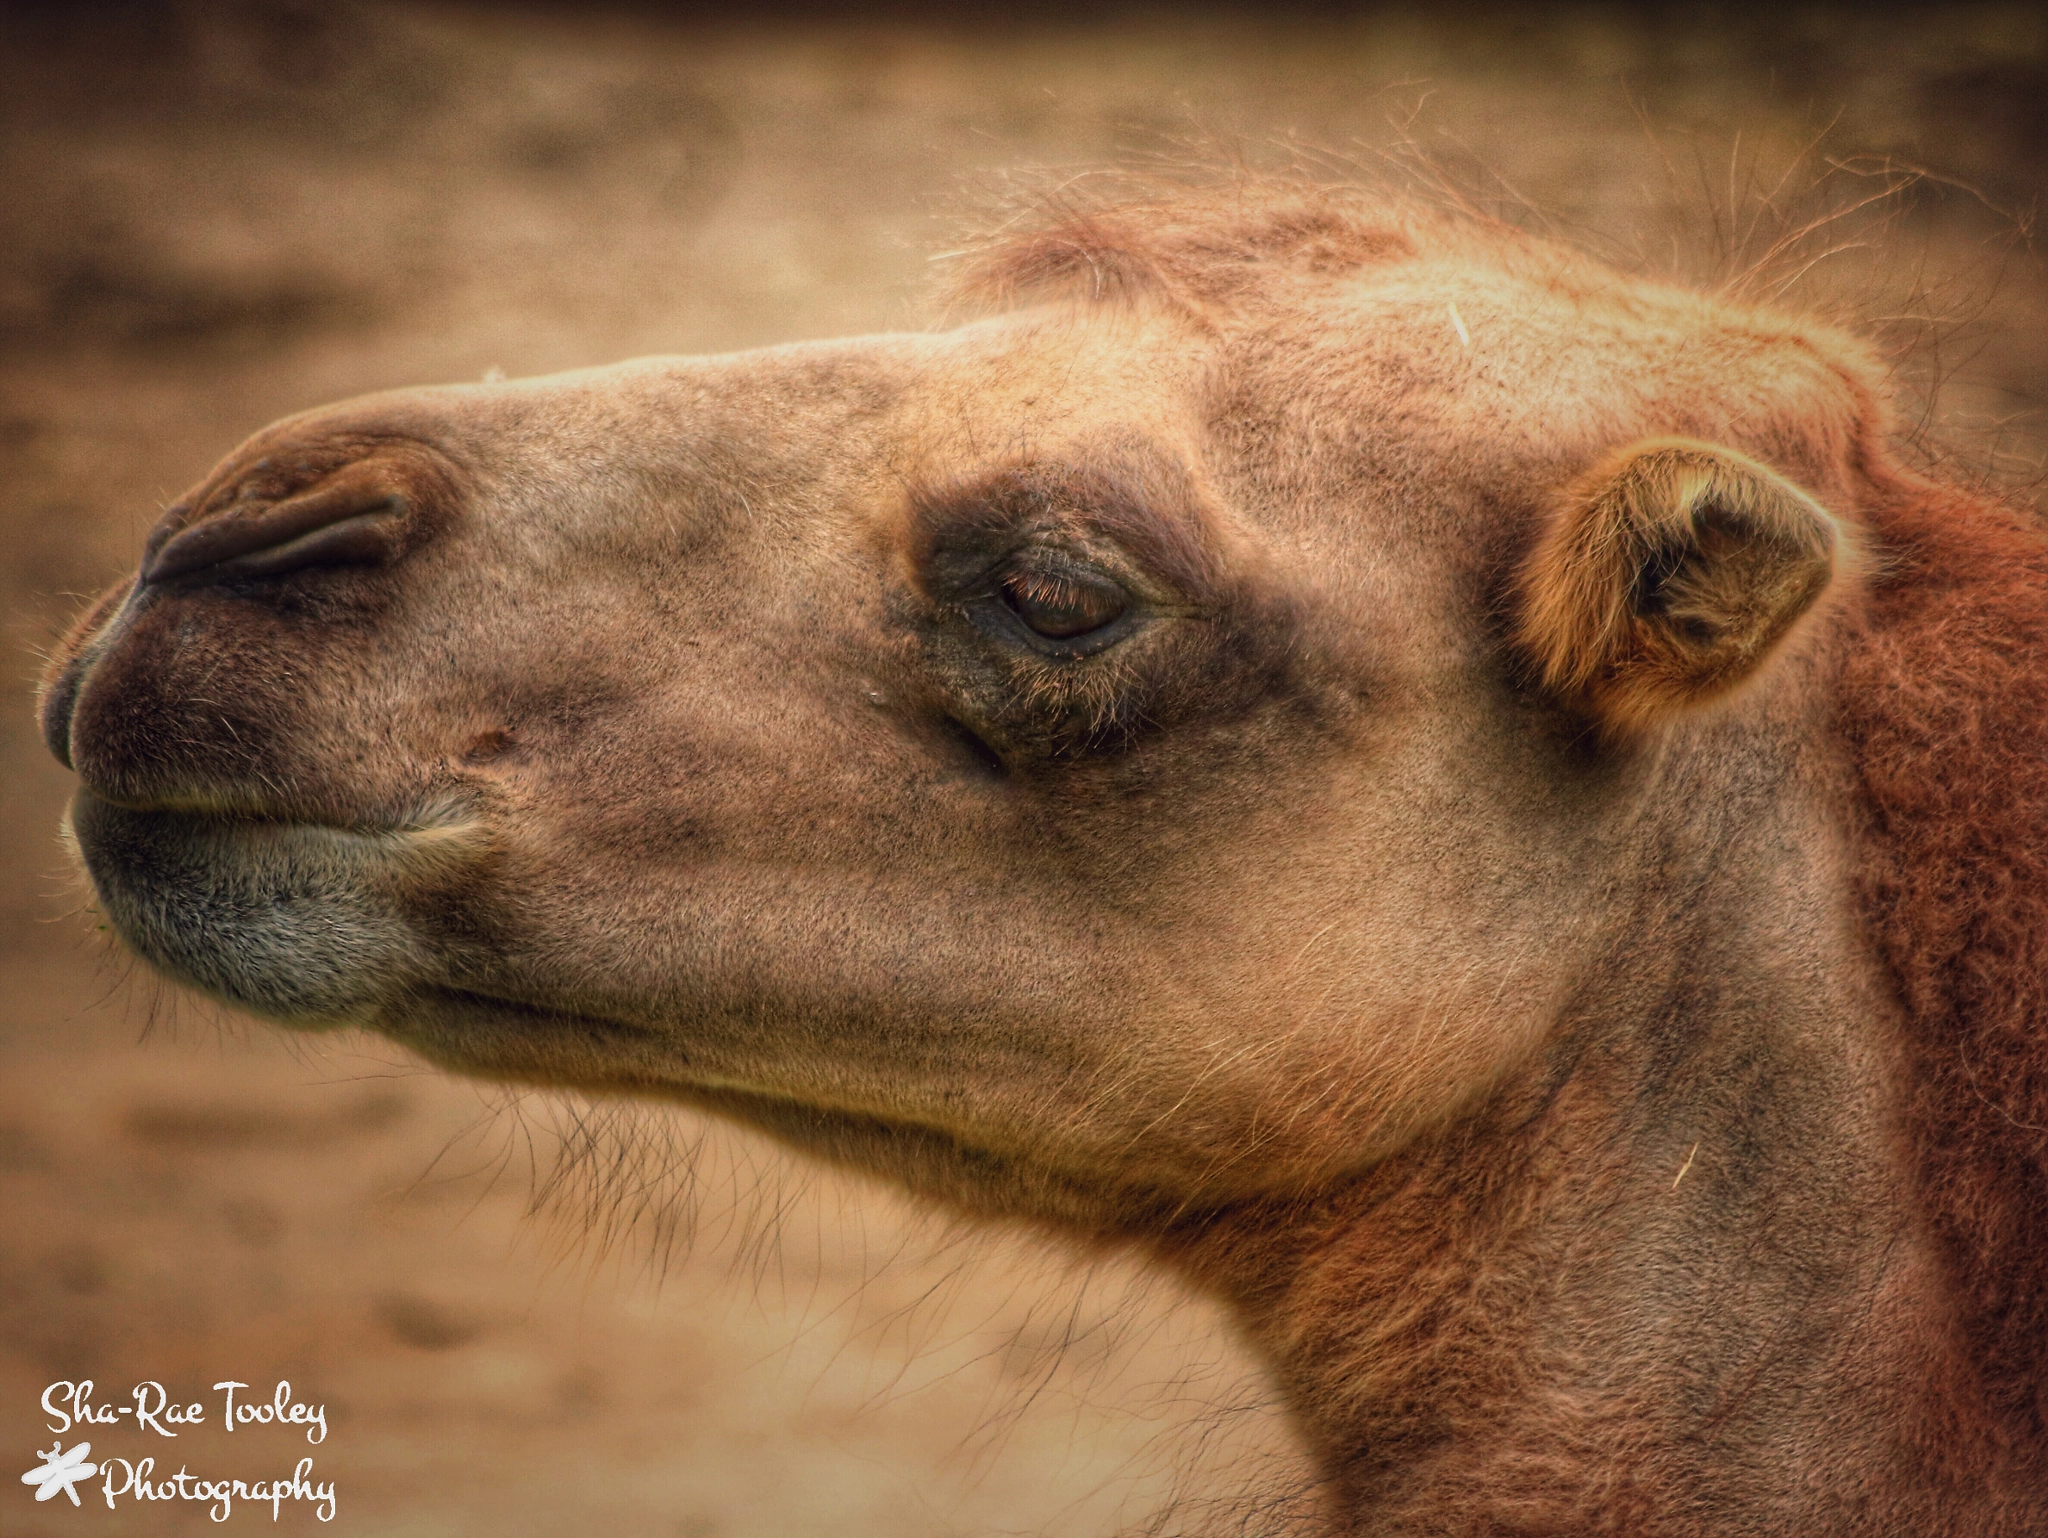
x=1473, y=806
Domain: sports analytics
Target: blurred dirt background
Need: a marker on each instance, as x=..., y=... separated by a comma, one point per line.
x=213, y=214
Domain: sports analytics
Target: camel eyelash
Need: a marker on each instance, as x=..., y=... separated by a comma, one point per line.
x=1053, y=605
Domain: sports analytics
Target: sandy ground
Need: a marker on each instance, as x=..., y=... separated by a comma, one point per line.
x=217, y=214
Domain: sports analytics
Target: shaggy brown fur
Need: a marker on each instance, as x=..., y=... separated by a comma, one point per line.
x=1943, y=702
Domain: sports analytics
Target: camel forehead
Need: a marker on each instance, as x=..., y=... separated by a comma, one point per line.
x=1545, y=336
x=1482, y=356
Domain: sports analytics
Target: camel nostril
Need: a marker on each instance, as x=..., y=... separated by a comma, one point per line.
x=350, y=520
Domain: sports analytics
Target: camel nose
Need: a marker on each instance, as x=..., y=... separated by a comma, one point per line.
x=353, y=516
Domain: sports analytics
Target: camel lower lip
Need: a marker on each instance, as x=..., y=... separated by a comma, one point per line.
x=297, y=921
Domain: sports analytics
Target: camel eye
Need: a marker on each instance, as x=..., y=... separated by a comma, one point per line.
x=1063, y=606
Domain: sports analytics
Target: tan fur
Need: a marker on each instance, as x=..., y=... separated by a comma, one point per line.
x=1124, y=766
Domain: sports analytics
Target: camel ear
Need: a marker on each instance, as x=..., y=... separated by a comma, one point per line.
x=1670, y=575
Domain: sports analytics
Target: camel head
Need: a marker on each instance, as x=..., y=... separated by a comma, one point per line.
x=1465, y=800
x=1146, y=749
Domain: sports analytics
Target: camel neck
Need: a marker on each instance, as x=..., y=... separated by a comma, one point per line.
x=1663, y=1281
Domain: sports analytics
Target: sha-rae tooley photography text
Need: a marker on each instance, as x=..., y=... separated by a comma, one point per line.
x=152, y=1411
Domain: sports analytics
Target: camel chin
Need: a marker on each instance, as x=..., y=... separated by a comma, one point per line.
x=1473, y=806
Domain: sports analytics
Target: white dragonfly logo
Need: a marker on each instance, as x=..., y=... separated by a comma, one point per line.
x=61, y=1470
